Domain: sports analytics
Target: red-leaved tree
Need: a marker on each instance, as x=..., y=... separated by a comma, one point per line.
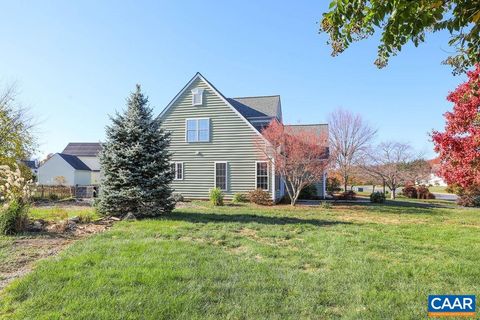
x=459, y=145
x=300, y=156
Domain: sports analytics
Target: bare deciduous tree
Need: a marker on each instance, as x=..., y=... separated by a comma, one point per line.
x=396, y=164
x=350, y=138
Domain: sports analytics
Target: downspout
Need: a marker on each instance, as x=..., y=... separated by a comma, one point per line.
x=274, y=191
x=324, y=185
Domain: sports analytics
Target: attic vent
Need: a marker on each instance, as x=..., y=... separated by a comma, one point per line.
x=197, y=97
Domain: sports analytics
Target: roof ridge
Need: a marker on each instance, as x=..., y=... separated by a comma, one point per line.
x=85, y=142
x=308, y=124
x=267, y=96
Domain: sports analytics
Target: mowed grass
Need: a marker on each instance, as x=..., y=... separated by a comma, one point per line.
x=248, y=262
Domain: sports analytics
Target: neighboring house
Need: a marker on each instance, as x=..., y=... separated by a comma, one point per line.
x=215, y=141
x=435, y=179
x=78, y=163
x=88, y=153
x=32, y=165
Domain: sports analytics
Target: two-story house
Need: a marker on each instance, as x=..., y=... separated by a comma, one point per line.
x=77, y=164
x=215, y=142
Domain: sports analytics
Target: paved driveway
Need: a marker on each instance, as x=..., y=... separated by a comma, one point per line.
x=446, y=196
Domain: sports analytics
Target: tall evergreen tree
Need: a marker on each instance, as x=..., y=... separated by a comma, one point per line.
x=135, y=163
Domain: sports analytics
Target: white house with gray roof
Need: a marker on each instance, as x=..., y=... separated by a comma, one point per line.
x=214, y=141
x=78, y=164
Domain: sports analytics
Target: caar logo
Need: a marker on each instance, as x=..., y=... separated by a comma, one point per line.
x=451, y=306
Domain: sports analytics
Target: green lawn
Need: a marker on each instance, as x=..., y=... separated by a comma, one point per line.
x=438, y=189
x=247, y=262
x=61, y=213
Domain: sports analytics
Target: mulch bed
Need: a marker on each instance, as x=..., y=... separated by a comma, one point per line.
x=26, y=249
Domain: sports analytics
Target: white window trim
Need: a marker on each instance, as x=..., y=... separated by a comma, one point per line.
x=197, y=91
x=215, y=174
x=198, y=131
x=176, y=163
x=256, y=175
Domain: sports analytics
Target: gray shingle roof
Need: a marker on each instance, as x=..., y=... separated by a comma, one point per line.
x=86, y=149
x=76, y=163
x=262, y=106
x=320, y=128
x=30, y=163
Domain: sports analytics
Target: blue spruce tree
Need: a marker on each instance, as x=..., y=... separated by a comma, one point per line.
x=135, y=163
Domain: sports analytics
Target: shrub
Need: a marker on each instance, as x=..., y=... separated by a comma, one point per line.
x=469, y=200
x=377, y=197
x=53, y=197
x=178, y=197
x=309, y=192
x=454, y=188
x=239, y=198
x=333, y=184
x=216, y=197
x=13, y=218
x=348, y=195
x=260, y=197
x=86, y=216
x=410, y=192
x=424, y=193
x=14, y=187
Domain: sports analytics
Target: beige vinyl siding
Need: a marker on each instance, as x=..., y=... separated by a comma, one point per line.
x=231, y=140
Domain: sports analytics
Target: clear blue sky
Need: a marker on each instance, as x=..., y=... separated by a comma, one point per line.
x=76, y=61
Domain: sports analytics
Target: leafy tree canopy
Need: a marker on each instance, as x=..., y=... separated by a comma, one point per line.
x=459, y=145
x=401, y=21
x=17, y=141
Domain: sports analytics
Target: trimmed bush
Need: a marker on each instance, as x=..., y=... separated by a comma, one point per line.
x=260, y=197
x=410, y=192
x=377, y=197
x=216, y=197
x=13, y=218
x=239, y=198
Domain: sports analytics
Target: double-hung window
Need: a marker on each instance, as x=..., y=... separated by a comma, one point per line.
x=198, y=130
x=262, y=175
x=221, y=174
x=177, y=169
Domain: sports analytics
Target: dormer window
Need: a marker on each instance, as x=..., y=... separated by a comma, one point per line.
x=197, y=97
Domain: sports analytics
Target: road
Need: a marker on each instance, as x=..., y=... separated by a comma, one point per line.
x=445, y=196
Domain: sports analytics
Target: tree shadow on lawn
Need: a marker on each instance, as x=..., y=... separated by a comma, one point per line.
x=406, y=207
x=246, y=218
